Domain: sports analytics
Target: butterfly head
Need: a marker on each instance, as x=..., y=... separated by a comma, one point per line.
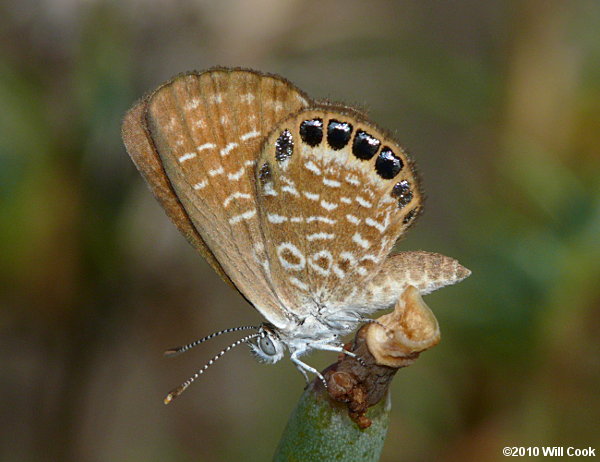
x=269, y=348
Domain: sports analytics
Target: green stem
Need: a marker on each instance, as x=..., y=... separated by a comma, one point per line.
x=346, y=419
x=320, y=430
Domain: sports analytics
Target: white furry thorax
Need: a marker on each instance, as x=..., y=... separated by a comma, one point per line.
x=312, y=333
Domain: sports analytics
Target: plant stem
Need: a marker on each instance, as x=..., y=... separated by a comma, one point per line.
x=348, y=420
x=321, y=430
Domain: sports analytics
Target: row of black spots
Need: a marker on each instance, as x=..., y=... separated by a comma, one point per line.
x=387, y=164
x=311, y=133
x=338, y=133
x=364, y=146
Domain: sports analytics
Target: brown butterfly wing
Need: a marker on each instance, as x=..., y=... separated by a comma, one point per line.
x=332, y=206
x=141, y=149
x=205, y=132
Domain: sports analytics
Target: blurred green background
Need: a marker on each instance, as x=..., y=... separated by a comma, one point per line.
x=498, y=101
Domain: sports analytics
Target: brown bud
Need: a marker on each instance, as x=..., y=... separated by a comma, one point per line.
x=398, y=337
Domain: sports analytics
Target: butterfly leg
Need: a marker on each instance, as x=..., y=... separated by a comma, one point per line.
x=355, y=319
x=345, y=321
x=302, y=371
x=303, y=367
x=339, y=349
x=335, y=321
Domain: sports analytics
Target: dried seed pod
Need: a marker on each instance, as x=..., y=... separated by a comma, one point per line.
x=398, y=337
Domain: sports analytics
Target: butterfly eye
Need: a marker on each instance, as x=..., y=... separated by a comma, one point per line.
x=266, y=345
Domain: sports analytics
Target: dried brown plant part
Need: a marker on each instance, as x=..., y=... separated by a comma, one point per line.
x=394, y=341
x=405, y=332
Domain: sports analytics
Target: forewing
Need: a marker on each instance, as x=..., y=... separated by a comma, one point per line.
x=334, y=193
x=141, y=149
x=207, y=130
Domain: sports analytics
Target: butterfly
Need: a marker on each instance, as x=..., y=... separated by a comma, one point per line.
x=295, y=203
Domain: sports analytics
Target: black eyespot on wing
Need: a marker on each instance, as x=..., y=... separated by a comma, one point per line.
x=338, y=134
x=264, y=174
x=311, y=131
x=410, y=216
x=388, y=165
x=364, y=146
x=284, y=146
x=402, y=191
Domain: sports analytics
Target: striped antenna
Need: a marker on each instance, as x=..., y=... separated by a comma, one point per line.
x=171, y=352
x=181, y=388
